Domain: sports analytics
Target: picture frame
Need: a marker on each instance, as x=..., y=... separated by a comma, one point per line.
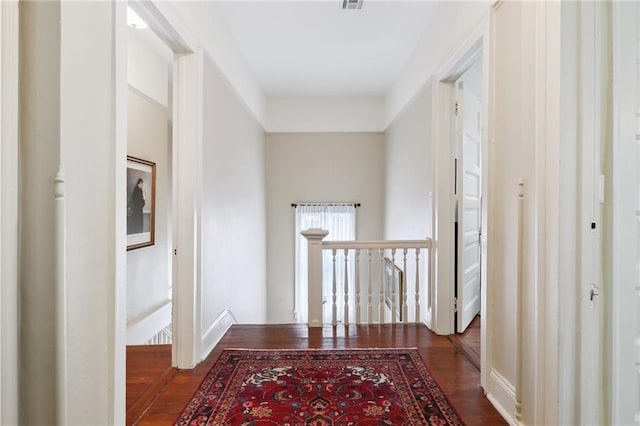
x=393, y=279
x=141, y=203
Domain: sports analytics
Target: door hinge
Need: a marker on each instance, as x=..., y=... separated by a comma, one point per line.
x=457, y=108
x=175, y=251
x=593, y=292
x=455, y=305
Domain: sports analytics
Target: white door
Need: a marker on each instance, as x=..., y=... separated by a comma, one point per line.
x=468, y=194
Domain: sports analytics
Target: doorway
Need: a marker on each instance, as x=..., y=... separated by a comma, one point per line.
x=149, y=191
x=183, y=120
x=467, y=147
x=468, y=194
x=476, y=51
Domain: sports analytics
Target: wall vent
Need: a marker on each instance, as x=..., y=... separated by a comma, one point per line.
x=352, y=4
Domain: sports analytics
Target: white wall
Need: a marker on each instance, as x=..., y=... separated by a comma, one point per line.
x=409, y=184
x=233, y=205
x=69, y=78
x=507, y=167
x=450, y=26
x=325, y=114
x=317, y=167
x=525, y=145
x=149, y=61
x=516, y=151
x=149, y=138
x=409, y=172
x=148, y=268
x=208, y=26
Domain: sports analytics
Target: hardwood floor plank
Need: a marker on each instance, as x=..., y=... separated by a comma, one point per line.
x=149, y=371
x=459, y=379
x=468, y=343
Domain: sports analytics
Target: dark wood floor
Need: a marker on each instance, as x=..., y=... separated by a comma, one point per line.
x=469, y=342
x=148, y=373
x=459, y=379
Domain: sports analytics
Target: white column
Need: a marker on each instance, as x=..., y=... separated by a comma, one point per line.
x=314, y=238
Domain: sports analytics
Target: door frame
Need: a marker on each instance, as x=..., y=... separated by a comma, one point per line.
x=9, y=105
x=624, y=175
x=186, y=179
x=477, y=45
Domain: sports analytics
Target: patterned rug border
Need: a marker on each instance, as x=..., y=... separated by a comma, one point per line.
x=410, y=348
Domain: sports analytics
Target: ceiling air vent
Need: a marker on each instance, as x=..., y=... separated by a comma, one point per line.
x=352, y=4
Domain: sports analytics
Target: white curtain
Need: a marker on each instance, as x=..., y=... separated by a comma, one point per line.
x=340, y=221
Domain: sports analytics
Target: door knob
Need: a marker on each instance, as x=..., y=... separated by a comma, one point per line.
x=593, y=293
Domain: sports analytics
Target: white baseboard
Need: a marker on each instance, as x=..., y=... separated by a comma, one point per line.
x=140, y=330
x=216, y=330
x=502, y=395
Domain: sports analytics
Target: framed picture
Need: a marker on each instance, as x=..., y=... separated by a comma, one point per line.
x=141, y=203
x=393, y=280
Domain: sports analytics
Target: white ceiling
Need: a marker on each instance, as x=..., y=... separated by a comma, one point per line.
x=314, y=48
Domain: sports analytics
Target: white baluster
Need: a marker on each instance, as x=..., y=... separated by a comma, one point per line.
x=346, y=287
x=418, y=286
x=381, y=306
x=370, y=300
x=358, y=286
x=334, y=296
x=403, y=307
x=393, y=286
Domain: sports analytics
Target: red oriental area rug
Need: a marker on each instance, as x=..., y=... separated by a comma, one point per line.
x=319, y=387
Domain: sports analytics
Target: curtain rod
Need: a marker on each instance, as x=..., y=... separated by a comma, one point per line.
x=294, y=205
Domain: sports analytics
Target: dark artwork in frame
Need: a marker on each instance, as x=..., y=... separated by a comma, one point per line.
x=141, y=203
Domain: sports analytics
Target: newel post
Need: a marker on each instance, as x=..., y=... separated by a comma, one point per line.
x=314, y=238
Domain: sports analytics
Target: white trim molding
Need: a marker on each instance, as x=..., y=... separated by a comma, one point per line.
x=9, y=48
x=519, y=302
x=140, y=330
x=215, y=331
x=61, y=300
x=187, y=205
x=119, y=294
x=502, y=395
x=625, y=205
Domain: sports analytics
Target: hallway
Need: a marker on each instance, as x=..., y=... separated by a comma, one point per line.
x=456, y=375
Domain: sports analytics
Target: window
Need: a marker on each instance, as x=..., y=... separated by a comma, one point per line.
x=340, y=221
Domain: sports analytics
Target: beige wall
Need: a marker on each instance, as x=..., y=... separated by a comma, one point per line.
x=317, y=167
x=149, y=138
x=233, y=206
x=39, y=153
x=148, y=268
